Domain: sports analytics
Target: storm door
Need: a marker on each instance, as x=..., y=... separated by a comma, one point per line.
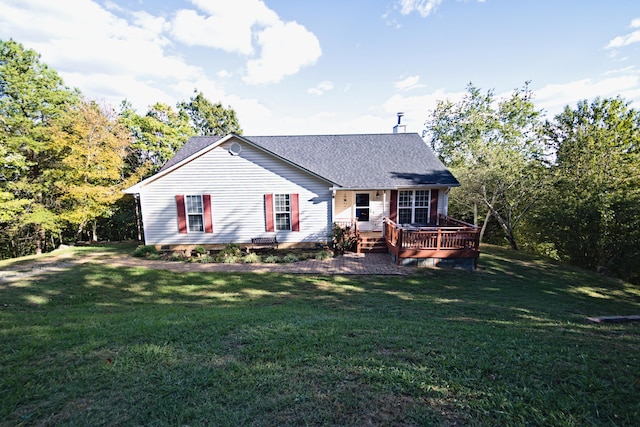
x=362, y=207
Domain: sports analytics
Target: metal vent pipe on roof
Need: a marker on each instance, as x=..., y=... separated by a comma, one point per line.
x=398, y=126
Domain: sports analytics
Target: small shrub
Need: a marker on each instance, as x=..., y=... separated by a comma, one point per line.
x=251, y=258
x=343, y=239
x=156, y=256
x=231, y=253
x=207, y=259
x=200, y=250
x=145, y=251
x=230, y=259
x=290, y=258
x=273, y=259
x=322, y=255
x=177, y=256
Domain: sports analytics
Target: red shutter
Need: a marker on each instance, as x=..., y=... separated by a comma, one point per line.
x=268, y=212
x=208, y=220
x=182, y=214
x=295, y=213
x=433, y=215
x=393, y=206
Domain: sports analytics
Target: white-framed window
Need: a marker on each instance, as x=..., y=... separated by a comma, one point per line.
x=413, y=206
x=195, y=213
x=282, y=211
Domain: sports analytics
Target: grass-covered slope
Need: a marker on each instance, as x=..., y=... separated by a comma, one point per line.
x=505, y=345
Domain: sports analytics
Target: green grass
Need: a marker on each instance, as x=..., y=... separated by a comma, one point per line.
x=506, y=345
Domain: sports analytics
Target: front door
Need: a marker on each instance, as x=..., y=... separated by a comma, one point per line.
x=363, y=210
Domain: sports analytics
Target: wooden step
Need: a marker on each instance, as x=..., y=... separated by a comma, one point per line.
x=373, y=244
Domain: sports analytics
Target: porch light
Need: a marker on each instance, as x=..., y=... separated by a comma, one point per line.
x=377, y=194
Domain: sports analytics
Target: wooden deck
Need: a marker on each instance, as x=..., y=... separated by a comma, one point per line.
x=448, y=242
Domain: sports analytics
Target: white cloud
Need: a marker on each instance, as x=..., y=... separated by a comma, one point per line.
x=632, y=37
x=408, y=83
x=321, y=88
x=107, y=56
x=286, y=47
x=424, y=7
x=275, y=48
x=416, y=108
x=227, y=25
x=554, y=97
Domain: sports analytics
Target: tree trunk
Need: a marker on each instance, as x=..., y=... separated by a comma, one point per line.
x=475, y=214
x=80, y=230
x=507, y=231
x=40, y=239
x=484, y=225
x=505, y=226
x=94, y=231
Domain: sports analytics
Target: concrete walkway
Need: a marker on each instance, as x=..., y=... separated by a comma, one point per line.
x=350, y=263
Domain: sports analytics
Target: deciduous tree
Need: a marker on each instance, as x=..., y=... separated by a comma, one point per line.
x=33, y=100
x=593, y=215
x=156, y=136
x=208, y=118
x=92, y=180
x=494, y=149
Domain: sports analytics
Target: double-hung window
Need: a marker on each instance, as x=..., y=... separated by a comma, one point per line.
x=413, y=206
x=195, y=213
x=282, y=210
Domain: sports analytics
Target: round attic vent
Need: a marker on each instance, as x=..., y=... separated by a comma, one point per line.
x=235, y=149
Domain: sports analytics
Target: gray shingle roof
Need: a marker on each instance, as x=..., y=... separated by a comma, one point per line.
x=365, y=161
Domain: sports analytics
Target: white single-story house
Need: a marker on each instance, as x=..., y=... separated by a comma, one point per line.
x=232, y=189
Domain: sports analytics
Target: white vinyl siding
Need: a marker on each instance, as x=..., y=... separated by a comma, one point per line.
x=237, y=185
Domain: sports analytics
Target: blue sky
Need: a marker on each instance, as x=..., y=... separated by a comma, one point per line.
x=333, y=66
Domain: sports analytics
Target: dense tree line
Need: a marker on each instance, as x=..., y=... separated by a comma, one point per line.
x=66, y=158
x=568, y=187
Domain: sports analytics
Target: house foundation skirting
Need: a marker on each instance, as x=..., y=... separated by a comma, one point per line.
x=464, y=263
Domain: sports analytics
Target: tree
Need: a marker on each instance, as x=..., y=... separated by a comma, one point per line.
x=493, y=147
x=592, y=211
x=156, y=136
x=208, y=118
x=33, y=100
x=91, y=181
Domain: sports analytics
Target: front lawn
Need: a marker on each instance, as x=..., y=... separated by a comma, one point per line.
x=506, y=345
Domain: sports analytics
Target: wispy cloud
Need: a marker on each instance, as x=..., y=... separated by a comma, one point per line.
x=554, y=97
x=408, y=83
x=320, y=88
x=632, y=37
x=424, y=7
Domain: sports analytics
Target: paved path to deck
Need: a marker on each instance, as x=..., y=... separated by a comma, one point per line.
x=363, y=264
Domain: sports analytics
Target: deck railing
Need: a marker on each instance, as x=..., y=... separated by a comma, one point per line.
x=450, y=239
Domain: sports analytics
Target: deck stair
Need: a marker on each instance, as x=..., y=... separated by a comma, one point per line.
x=372, y=243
